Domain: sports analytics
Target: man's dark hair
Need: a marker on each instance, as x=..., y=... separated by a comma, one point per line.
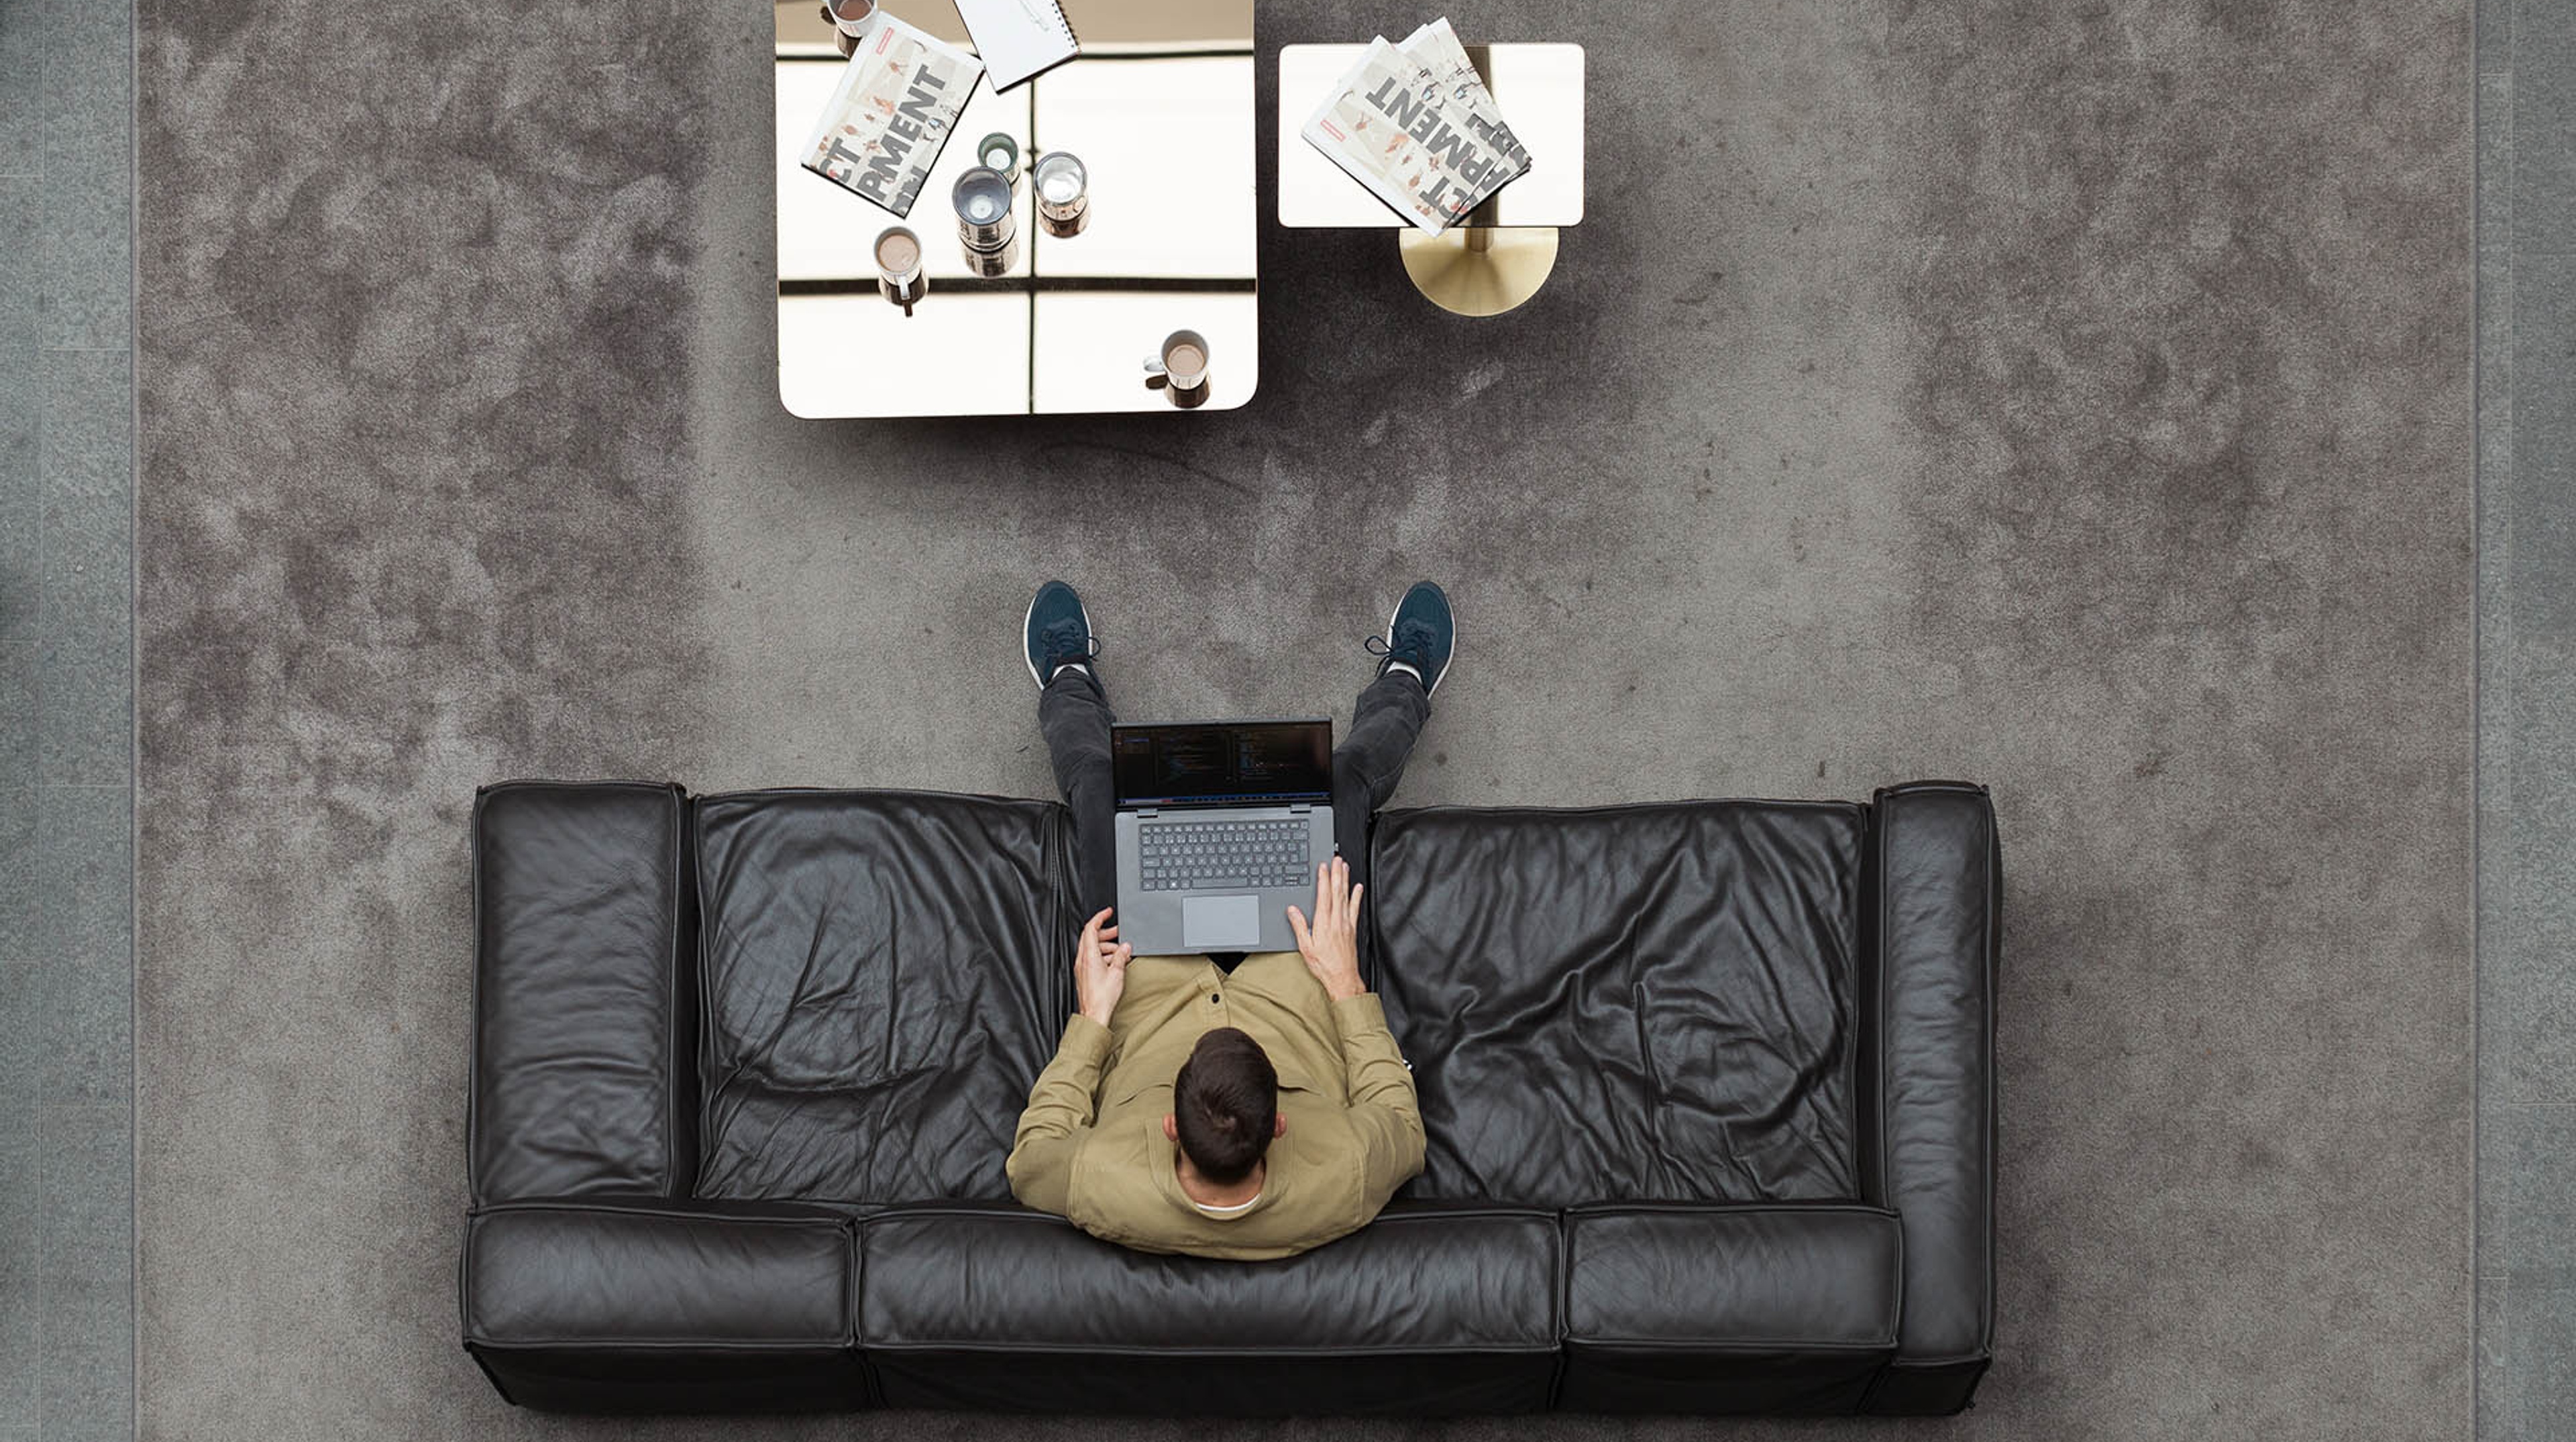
x=1225, y=1105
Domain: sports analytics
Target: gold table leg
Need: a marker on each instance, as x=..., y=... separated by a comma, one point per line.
x=1480, y=269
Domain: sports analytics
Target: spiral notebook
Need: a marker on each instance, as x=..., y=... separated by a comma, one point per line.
x=1018, y=38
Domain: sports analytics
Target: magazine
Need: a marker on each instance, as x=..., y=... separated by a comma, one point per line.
x=1418, y=127
x=892, y=113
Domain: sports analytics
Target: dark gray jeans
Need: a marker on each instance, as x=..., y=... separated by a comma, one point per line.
x=1073, y=712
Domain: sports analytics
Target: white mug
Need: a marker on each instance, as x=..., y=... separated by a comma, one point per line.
x=851, y=16
x=1181, y=364
x=900, y=276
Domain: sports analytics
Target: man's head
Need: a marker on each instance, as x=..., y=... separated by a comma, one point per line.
x=1225, y=1106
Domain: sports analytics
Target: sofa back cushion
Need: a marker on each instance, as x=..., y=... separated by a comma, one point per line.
x=1427, y=1309
x=1640, y=1003
x=885, y=972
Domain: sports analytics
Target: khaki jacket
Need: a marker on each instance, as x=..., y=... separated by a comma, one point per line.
x=1091, y=1144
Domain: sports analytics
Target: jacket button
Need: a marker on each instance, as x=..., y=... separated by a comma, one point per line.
x=1214, y=997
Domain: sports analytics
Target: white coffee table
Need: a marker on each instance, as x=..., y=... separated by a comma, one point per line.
x=1160, y=108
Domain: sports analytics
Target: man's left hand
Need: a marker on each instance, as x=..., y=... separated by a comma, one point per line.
x=1330, y=943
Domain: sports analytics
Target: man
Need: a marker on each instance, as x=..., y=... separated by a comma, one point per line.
x=1247, y=1115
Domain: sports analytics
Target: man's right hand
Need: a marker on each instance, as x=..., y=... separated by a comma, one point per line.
x=1100, y=968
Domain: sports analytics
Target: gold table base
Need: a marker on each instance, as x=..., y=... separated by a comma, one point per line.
x=1480, y=270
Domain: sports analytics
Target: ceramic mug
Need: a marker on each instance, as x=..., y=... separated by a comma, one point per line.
x=1181, y=365
x=850, y=17
x=901, y=277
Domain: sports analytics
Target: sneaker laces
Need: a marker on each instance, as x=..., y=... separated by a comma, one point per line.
x=1069, y=643
x=1411, y=645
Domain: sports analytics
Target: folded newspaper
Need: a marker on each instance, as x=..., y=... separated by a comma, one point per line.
x=891, y=113
x=1416, y=125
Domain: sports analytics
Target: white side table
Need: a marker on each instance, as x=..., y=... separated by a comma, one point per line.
x=1502, y=254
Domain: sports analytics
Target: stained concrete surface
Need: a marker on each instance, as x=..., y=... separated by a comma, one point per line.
x=2526, y=294
x=2069, y=397
x=66, y=722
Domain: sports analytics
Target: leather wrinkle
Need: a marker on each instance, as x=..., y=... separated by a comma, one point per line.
x=873, y=984
x=1696, y=1046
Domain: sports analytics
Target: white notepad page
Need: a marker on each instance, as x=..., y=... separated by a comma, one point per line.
x=1018, y=38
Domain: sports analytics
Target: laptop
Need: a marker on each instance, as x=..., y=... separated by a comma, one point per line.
x=1221, y=825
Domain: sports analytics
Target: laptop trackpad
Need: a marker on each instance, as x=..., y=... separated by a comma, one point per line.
x=1221, y=923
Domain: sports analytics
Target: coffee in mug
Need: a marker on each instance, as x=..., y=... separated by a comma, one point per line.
x=901, y=278
x=1186, y=365
x=850, y=17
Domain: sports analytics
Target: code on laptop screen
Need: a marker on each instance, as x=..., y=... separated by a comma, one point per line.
x=1246, y=763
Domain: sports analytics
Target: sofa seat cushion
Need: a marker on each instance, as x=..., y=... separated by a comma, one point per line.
x=1729, y=1309
x=884, y=975
x=1650, y=1003
x=1435, y=1280
x=1427, y=1309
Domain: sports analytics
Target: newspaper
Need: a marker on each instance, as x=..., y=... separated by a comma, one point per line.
x=1416, y=125
x=892, y=113
x=1437, y=49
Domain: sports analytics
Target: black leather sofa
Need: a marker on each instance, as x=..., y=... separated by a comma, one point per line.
x=1709, y=1091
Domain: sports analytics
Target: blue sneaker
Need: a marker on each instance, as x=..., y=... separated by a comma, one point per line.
x=1421, y=634
x=1059, y=631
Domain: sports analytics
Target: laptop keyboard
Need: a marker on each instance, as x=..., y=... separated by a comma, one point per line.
x=1192, y=855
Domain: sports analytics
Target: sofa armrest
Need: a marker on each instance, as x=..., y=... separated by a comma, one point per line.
x=1926, y=1102
x=584, y=1015
x=1688, y=1276
x=618, y=1274
x=1686, y=1307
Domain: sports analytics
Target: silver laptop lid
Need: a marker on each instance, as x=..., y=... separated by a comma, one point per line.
x=1223, y=763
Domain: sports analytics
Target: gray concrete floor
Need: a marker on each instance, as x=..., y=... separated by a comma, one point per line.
x=66, y=465
x=2073, y=397
x=66, y=721
x=2526, y=106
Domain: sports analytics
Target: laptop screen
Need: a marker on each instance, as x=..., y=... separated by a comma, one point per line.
x=1224, y=763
